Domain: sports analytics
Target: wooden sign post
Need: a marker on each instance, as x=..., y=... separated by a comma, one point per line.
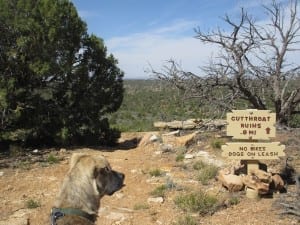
x=252, y=125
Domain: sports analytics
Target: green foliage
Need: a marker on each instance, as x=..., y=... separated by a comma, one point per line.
x=24, y=165
x=180, y=157
x=199, y=165
x=217, y=143
x=234, y=200
x=205, y=171
x=146, y=101
x=156, y=173
x=57, y=82
x=159, y=191
x=199, y=202
x=180, y=154
x=186, y=220
x=294, y=121
x=52, y=159
x=32, y=204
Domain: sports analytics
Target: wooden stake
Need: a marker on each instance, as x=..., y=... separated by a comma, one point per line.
x=251, y=165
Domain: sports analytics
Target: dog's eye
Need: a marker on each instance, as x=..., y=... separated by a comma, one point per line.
x=107, y=169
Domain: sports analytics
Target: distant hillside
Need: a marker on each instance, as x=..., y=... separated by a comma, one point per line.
x=146, y=101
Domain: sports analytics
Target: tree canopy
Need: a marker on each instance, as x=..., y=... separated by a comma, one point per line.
x=57, y=82
x=252, y=68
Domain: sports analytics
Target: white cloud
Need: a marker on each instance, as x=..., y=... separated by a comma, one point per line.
x=135, y=52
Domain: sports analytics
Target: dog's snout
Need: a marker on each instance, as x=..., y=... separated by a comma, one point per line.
x=121, y=176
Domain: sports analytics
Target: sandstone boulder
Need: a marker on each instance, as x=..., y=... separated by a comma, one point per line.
x=277, y=182
x=256, y=184
x=262, y=175
x=232, y=182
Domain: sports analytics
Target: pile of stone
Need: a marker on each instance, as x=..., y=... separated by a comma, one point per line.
x=190, y=124
x=256, y=179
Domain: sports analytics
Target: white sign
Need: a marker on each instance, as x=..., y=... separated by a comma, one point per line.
x=253, y=150
x=251, y=124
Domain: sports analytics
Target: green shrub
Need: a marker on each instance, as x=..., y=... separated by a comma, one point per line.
x=160, y=191
x=170, y=184
x=186, y=220
x=199, y=202
x=24, y=165
x=199, y=165
x=156, y=173
x=294, y=121
x=179, y=157
x=206, y=173
x=32, y=204
x=234, y=200
x=52, y=159
x=217, y=143
x=180, y=154
x=15, y=150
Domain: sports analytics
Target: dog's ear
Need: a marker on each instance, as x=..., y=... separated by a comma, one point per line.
x=75, y=158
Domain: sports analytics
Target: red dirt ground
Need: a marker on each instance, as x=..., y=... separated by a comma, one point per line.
x=40, y=182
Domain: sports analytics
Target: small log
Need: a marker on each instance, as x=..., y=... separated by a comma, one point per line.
x=191, y=124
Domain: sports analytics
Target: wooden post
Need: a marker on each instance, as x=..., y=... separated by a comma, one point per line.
x=252, y=165
x=252, y=126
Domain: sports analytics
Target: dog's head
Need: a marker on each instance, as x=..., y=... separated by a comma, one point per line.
x=98, y=169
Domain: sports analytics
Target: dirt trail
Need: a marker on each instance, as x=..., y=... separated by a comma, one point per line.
x=131, y=205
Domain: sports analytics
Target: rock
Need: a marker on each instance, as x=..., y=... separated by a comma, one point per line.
x=63, y=150
x=35, y=151
x=147, y=139
x=254, y=183
x=166, y=147
x=192, y=124
x=153, y=138
x=173, y=133
x=209, y=159
x=202, y=153
x=116, y=216
x=181, y=141
x=277, y=182
x=185, y=140
x=176, y=124
x=188, y=156
x=155, y=200
x=119, y=195
x=232, y=182
x=1, y=173
x=262, y=175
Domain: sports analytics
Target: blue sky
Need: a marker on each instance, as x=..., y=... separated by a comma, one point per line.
x=140, y=33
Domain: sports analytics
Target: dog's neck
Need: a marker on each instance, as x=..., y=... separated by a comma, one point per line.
x=88, y=200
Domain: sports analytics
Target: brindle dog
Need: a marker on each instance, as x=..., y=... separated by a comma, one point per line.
x=90, y=178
